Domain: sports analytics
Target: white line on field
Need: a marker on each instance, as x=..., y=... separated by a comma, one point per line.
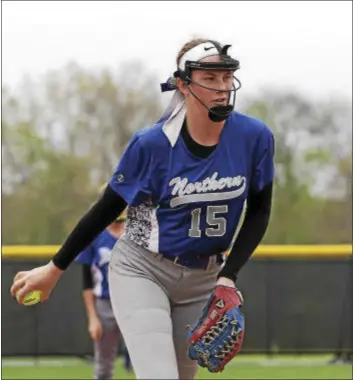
x=234, y=363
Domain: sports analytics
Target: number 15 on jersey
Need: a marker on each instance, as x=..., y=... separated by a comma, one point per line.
x=216, y=223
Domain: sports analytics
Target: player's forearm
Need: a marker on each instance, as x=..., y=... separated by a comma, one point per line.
x=89, y=301
x=251, y=233
x=103, y=213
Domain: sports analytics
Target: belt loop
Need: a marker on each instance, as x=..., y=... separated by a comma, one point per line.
x=210, y=262
x=157, y=255
x=175, y=262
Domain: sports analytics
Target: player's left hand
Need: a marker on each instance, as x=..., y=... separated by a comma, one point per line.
x=95, y=329
x=218, y=335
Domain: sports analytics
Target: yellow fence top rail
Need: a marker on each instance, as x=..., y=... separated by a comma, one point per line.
x=275, y=251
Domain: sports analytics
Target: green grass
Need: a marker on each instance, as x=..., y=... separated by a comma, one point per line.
x=244, y=367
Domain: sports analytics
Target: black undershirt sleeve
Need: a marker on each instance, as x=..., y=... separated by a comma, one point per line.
x=87, y=277
x=102, y=213
x=251, y=233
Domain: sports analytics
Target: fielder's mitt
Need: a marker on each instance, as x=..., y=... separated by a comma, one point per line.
x=218, y=335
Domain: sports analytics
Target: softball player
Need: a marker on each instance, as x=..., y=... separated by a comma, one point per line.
x=186, y=180
x=102, y=325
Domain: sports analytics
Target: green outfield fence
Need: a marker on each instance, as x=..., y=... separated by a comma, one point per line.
x=298, y=299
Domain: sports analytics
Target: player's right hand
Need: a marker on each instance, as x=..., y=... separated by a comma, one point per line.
x=95, y=329
x=43, y=278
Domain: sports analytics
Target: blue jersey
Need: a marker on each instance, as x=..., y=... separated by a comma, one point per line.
x=184, y=205
x=97, y=256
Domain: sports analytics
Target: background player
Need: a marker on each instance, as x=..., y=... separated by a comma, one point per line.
x=186, y=180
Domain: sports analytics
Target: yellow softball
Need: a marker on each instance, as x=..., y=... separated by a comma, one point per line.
x=31, y=298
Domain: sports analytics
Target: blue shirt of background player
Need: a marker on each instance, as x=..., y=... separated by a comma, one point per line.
x=97, y=256
x=180, y=204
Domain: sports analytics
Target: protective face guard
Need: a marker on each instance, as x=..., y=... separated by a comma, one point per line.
x=218, y=113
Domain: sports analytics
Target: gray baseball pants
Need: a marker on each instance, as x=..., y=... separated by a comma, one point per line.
x=105, y=350
x=153, y=301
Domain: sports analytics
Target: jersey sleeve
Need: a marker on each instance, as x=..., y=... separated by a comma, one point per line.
x=86, y=256
x=263, y=169
x=131, y=179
